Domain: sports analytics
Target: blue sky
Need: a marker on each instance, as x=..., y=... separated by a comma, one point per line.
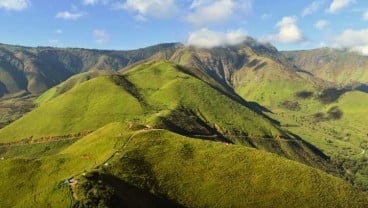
x=130, y=24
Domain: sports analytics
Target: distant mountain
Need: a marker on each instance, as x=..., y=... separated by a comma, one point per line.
x=34, y=70
x=334, y=65
x=26, y=70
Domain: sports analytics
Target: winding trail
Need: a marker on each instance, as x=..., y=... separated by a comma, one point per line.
x=75, y=182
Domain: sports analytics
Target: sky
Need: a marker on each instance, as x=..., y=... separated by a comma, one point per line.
x=131, y=24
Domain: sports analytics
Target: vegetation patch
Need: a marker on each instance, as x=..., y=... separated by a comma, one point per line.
x=304, y=94
x=291, y=105
x=355, y=170
x=187, y=151
x=335, y=113
x=330, y=95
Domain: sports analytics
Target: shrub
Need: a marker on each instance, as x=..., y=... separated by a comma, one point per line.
x=334, y=113
x=304, y=94
x=291, y=105
x=186, y=152
x=331, y=95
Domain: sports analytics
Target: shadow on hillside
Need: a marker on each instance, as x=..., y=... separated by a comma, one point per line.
x=311, y=147
x=123, y=194
x=186, y=122
x=362, y=88
x=230, y=93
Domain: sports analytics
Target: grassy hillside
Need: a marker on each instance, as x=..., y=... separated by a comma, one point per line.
x=89, y=106
x=339, y=66
x=130, y=97
x=270, y=83
x=158, y=167
x=157, y=95
x=152, y=127
x=338, y=128
x=169, y=99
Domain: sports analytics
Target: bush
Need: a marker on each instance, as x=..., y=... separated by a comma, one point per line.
x=304, y=94
x=291, y=105
x=331, y=95
x=319, y=116
x=187, y=151
x=334, y=113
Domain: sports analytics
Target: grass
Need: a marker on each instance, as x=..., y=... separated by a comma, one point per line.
x=198, y=173
x=169, y=89
x=339, y=134
x=160, y=164
x=37, y=180
x=88, y=106
x=161, y=167
x=68, y=84
x=35, y=150
x=96, y=102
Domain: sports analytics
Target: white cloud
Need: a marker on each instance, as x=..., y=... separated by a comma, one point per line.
x=94, y=2
x=312, y=8
x=151, y=8
x=289, y=32
x=69, y=15
x=58, y=31
x=15, y=5
x=206, y=12
x=337, y=5
x=101, y=36
x=361, y=49
x=321, y=24
x=365, y=16
x=205, y=38
x=355, y=40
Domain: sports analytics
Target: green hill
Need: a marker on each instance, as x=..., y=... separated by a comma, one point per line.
x=163, y=168
x=189, y=127
x=160, y=95
x=96, y=102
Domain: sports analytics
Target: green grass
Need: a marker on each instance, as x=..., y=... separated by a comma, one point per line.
x=168, y=88
x=197, y=173
x=87, y=106
x=150, y=91
x=68, y=84
x=36, y=180
x=270, y=85
x=35, y=150
x=160, y=163
x=340, y=139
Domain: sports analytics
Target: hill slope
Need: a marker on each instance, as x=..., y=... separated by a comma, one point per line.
x=164, y=168
x=333, y=65
x=132, y=128
x=159, y=95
